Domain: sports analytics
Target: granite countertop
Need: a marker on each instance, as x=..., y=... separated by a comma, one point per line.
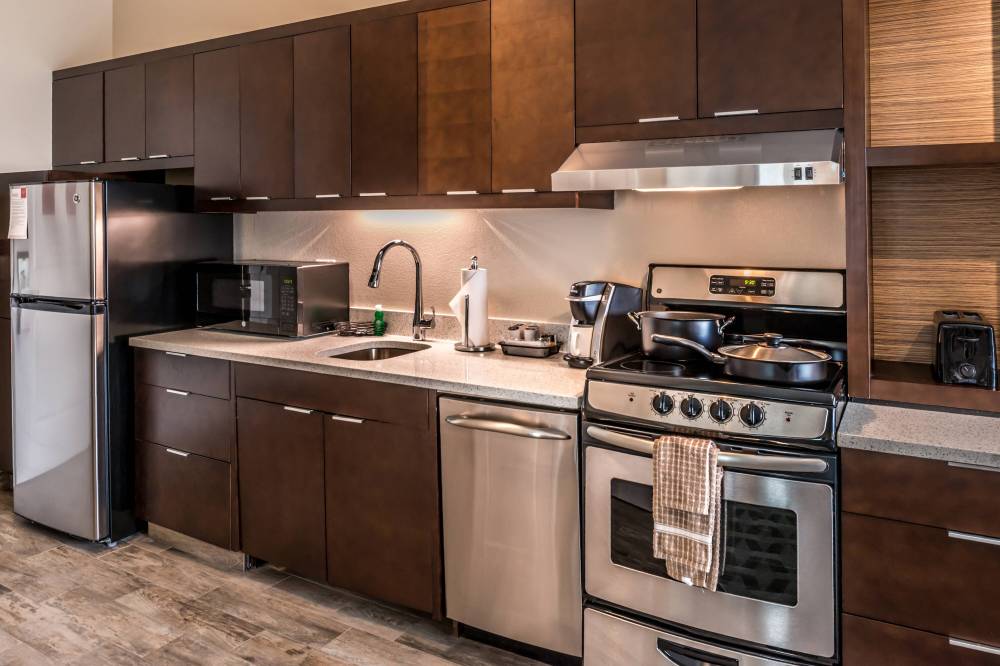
x=923, y=433
x=544, y=382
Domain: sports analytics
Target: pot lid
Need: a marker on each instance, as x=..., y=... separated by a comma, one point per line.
x=773, y=350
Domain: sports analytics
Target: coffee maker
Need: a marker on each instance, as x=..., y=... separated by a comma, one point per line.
x=599, y=329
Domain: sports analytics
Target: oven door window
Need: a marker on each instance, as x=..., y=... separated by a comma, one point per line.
x=760, y=557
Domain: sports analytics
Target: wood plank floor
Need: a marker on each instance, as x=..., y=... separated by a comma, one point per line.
x=67, y=602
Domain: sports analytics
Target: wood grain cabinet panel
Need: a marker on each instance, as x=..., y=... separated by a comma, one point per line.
x=769, y=55
x=187, y=422
x=78, y=120
x=217, y=123
x=170, y=107
x=282, y=516
x=195, y=374
x=383, y=534
x=533, y=102
x=384, y=106
x=323, y=113
x=125, y=113
x=634, y=64
x=868, y=642
x=266, y=134
x=454, y=99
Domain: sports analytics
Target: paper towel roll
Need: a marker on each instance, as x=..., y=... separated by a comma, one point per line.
x=474, y=286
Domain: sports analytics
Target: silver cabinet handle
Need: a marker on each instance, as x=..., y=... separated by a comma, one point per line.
x=346, y=419
x=257, y=198
x=128, y=159
x=505, y=427
x=158, y=157
x=327, y=196
x=459, y=193
x=89, y=162
x=975, y=538
x=175, y=452
x=740, y=112
x=297, y=410
x=969, y=645
x=659, y=119
x=178, y=354
x=518, y=190
x=726, y=459
x=981, y=468
x=371, y=194
x=222, y=198
x=183, y=394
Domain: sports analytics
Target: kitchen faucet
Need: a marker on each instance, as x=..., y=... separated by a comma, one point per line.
x=419, y=323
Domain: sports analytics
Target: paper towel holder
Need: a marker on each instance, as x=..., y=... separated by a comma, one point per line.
x=466, y=344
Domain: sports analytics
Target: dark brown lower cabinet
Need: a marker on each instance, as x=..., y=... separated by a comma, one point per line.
x=869, y=642
x=382, y=527
x=282, y=517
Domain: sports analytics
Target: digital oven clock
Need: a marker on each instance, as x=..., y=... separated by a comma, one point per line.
x=741, y=285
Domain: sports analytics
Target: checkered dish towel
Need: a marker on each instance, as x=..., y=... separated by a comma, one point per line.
x=687, y=509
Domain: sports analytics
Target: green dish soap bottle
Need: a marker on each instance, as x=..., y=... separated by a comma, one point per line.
x=379, y=322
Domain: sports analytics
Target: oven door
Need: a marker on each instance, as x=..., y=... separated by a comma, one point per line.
x=776, y=587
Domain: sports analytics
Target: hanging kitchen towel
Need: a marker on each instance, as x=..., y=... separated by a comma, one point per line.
x=687, y=509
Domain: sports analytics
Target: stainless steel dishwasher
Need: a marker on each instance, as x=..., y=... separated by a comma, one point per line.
x=510, y=493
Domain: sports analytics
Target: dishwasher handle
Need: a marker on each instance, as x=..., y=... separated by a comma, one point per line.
x=505, y=427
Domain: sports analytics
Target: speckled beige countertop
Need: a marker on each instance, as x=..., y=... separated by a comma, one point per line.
x=923, y=433
x=544, y=382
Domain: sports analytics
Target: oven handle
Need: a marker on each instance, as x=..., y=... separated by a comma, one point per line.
x=726, y=459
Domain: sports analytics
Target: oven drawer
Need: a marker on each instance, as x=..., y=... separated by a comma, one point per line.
x=185, y=421
x=922, y=577
x=921, y=491
x=196, y=374
x=869, y=642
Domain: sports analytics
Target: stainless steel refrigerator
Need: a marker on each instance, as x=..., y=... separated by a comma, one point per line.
x=103, y=260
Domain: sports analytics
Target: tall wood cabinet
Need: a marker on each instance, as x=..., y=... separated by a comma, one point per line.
x=78, y=120
x=170, y=107
x=217, y=124
x=125, y=113
x=266, y=135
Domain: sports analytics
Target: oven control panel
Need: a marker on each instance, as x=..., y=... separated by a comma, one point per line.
x=741, y=285
x=710, y=412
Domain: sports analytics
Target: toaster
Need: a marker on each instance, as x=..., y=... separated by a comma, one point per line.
x=966, y=349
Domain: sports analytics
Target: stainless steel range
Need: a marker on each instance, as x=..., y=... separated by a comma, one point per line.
x=776, y=601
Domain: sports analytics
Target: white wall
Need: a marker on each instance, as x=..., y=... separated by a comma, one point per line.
x=36, y=38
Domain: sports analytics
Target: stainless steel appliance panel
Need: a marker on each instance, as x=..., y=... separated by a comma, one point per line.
x=797, y=288
x=60, y=429
x=511, y=522
x=63, y=256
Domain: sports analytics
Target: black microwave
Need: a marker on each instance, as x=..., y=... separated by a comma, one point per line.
x=289, y=299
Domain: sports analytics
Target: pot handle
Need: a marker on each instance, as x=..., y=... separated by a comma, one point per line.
x=690, y=344
x=635, y=320
x=726, y=322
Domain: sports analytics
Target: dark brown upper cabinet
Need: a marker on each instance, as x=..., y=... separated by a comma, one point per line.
x=125, y=114
x=78, y=120
x=217, y=124
x=769, y=56
x=266, y=134
x=533, y=118
x=638, y=65
x=384, y=106
x=323, y=113
x=170, y=107
x=454, y=99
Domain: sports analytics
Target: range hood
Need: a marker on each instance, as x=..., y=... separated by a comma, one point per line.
x=705, y=163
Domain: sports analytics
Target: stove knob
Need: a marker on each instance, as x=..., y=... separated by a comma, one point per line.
x=663, y=404
x=752, y=415
x=720, y=411
x=691, y=407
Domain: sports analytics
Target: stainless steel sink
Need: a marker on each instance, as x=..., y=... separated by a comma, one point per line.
x=378, y=351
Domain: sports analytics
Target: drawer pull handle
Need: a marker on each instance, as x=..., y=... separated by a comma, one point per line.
x=518, y=190
x=968, y=645
x=982, y=468
x=460, y=193
x=89, y=162
x=371, y=194
x=298, y=410
x=158, y=157
x=175, y=452
x=183, y=394
x=258, y=198
x=965, y=536
x=741, y=112
x=178, y=354
x=659, y=119
x=327, y=196
x=347, y=419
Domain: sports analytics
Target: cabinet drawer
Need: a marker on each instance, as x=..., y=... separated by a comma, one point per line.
x=378, y=401
x=195, y=374
x=185, y=421
x=922, y=491
x=871, y=642
x=921, y=577
x=185, y=492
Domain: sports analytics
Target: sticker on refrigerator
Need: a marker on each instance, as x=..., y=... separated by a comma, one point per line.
x=18, y=226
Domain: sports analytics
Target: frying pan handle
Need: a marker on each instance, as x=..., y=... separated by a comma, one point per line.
x=635, y=320
x=690, y=344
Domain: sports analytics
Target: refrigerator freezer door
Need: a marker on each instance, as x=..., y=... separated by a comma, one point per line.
x=60, y=429
x=63, y=256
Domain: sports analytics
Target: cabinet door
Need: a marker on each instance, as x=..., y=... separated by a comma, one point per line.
x=266, y=136
x=78, y=120
x=217, y=123
x=637, y=64
x=170, y=107
x=533, y=120
x=769, y=56
x=125, y=113
x=323, y=113
x=384, y=106
x=280, y=453
x=382, y=511
x=454, y=94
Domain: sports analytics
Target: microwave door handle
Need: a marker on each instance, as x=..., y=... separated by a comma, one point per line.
x=244, y=294
x=727, y=459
